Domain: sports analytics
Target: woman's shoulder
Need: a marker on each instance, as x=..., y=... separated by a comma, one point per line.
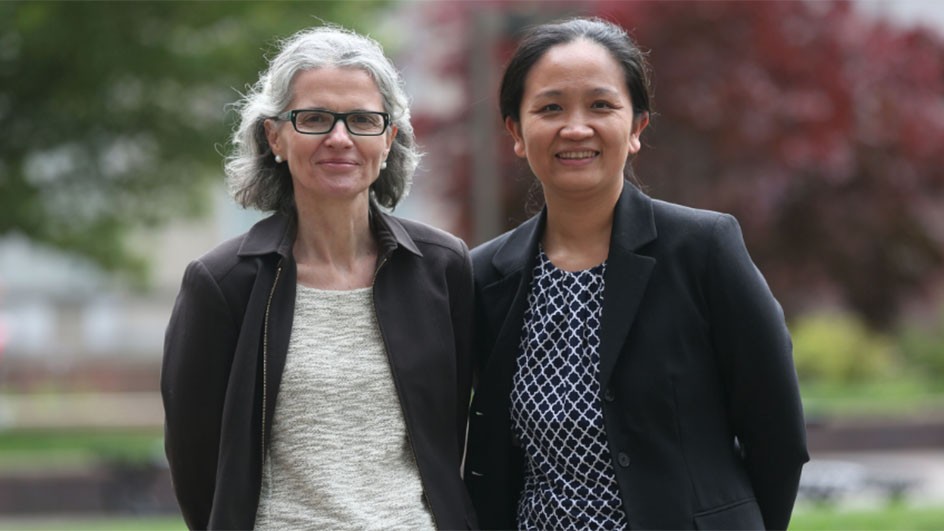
x=675, y=214
x=675, y=221
x=691, y=236
x=508, y=251
x=266, y=236
x=221, y=260
x=428, y=236
x=487, y=249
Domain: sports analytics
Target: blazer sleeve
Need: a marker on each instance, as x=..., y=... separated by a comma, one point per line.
x=756, y=354
x=200, y=337
x=461, y=304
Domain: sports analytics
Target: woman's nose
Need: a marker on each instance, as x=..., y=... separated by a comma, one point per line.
x=339, y=134
x=576, y=129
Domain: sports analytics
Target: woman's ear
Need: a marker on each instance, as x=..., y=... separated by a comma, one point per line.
x=391, y=137
x=514, y=128
x=272, y=134
x=639, y=124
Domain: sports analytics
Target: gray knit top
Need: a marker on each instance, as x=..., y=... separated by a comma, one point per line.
x=339, y=456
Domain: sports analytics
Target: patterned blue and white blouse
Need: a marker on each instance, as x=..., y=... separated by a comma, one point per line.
x=555, y=406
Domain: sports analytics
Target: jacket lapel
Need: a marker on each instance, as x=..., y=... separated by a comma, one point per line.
x=627, y=274
x=506, y=299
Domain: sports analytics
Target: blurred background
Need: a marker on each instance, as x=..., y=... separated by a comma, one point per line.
x=819, y=125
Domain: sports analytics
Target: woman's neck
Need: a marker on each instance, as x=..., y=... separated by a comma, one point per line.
x=334, y=247
x=577, y=234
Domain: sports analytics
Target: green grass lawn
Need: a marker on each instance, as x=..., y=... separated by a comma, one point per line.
x=807, y=518
x=892, y=397
x=894, y=517
x=144, y=523
x=45, y=449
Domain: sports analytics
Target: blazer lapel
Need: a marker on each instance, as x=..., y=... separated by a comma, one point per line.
x=627, y=274
x=506, y=298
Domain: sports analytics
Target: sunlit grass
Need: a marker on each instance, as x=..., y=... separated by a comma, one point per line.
x=892, y=397
x=56, y=449
x=81, y=523
x=894, y=517
x=808, y=518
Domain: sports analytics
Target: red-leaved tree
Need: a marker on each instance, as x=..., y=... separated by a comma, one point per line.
x=818, y=127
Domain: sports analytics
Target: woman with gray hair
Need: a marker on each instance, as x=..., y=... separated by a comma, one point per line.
x=317, y=369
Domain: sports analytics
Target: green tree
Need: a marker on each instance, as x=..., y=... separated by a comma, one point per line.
x=114, y=113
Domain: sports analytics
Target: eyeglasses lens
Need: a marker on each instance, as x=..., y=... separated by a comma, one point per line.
x=359, y=123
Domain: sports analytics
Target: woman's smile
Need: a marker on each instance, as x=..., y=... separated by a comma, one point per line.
x=577, y=158
x=339, y=164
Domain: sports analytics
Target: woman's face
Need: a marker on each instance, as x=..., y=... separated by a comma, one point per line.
x=577, y=128
x=336, y=165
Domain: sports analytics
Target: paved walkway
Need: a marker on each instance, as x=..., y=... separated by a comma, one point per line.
x=81, y=410
x=865, y=478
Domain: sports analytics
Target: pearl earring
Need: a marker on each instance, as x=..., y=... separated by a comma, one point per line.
x=383, y=165
x=279, y=159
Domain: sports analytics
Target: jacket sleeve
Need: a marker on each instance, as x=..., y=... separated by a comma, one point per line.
x=762, y=394
x=461, y=304
x=198, y=348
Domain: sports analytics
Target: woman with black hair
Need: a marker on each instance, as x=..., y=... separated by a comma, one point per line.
x=634, y=369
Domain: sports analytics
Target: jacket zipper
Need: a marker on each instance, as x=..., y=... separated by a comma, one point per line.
x=396, y=385
x=265, y=361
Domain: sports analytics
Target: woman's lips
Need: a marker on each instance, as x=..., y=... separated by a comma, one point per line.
x=338, y=161
x=582, y=154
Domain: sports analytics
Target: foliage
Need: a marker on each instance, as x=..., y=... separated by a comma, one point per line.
x=847, y=368
x=838, y=348
x=818, y=127
x=113, y=112
x=922, y=345
x=892, y=396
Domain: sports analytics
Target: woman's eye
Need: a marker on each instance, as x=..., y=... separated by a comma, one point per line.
x=550, y=107
x=602, y=105
x=313, y=118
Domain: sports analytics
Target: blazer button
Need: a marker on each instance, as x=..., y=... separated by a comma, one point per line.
x=622, y=459
x=609, y=395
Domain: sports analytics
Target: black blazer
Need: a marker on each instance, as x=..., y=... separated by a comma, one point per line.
x=699, y=393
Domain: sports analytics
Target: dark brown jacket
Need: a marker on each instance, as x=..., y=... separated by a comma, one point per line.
x=694, y=355
x=225, y=348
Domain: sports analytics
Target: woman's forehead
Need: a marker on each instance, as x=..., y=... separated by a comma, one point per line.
x=351, y=87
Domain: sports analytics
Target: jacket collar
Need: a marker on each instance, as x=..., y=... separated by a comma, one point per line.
x=634, y=223
x=276, y=234
x=633, y=226
x=390, y=232
x=521, y=245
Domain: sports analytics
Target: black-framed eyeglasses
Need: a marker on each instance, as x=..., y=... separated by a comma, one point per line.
x=320, y=121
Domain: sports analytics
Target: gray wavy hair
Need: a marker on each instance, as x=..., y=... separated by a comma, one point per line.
x=254, y=178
